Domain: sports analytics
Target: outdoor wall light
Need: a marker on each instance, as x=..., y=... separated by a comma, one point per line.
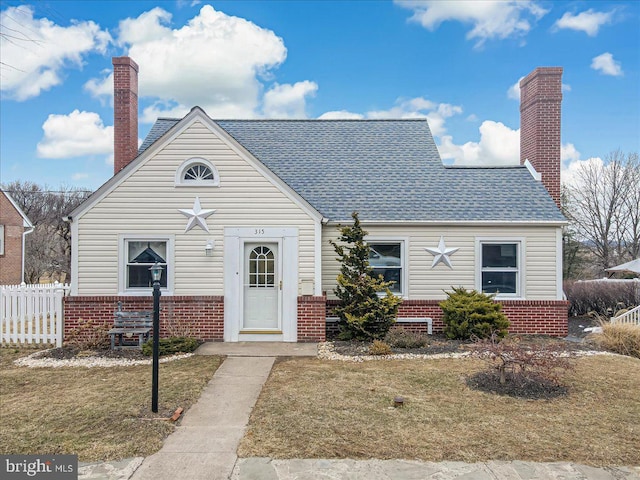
x=208, y=249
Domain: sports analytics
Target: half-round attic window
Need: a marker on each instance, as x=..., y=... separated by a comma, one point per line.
x=197, y=172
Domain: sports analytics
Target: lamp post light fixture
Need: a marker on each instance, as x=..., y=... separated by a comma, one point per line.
x=156, y=275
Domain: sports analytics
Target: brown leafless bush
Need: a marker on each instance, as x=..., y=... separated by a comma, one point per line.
x=522, y=364
x=601, y=297
x=88, y=335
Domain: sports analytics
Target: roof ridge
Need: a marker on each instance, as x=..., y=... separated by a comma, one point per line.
x=174, y=119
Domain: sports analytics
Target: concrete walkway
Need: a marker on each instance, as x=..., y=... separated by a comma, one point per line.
x=204, y=444
x=259, y=349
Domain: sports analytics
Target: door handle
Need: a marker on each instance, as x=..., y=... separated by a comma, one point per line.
x=280, y=284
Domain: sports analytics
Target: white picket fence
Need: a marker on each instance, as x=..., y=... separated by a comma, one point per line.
x=631, y=317
x=32, y=313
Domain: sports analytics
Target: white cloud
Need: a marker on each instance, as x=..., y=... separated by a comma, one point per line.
x=568, y=153
x=606, y=65
x=570, y=173
x=36, y=51
x=419, y=107
x=498, y=145
x=572, y=164
x=288, y=101
x=472, y=118
x=588, y=21
x=216, y=61
x=494, y=19
x=79, y=176
x=75, y=135
x=341, y=115
x=514, y=90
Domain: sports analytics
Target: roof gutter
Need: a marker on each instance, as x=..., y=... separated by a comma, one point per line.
x=454, y=223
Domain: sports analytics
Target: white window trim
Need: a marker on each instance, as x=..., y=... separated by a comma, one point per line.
x=122, y=263
x=404, y=259
x=520, y=273
x=1, y=239
x=181, y=182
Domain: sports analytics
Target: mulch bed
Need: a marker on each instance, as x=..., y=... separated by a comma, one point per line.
x=67, y=352
x=530, y=387
x=438, y=344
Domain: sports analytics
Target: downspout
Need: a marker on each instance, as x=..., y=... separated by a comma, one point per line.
x=24, y=234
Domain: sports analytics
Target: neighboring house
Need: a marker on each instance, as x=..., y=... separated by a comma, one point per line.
x=14, y=225
x=240, y=213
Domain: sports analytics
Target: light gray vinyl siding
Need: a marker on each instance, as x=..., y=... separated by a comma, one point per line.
x=425, y=283
x=245, y=198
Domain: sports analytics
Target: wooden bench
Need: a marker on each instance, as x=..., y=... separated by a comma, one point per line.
x=127, y=325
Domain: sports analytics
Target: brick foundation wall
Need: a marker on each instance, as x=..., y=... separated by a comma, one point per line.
x=311, y=319
x=201, y=317
x=543, y=317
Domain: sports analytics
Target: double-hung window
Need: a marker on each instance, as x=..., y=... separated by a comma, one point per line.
x=387, y=258
x=138, y=255
x=500, y=267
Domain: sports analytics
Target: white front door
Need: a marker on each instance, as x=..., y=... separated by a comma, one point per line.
x=261, y=288
x=260, y=284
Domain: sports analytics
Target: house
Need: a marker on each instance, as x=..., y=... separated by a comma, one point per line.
x=239, y=213
x=14, y=225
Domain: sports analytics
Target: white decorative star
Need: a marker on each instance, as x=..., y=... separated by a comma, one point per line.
x=441, y=254
x=196, y=216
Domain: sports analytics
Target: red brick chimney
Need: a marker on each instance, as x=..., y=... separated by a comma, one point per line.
x=540, y=101
x=125, y=112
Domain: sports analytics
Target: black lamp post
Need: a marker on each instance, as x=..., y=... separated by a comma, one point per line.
x=156, y=274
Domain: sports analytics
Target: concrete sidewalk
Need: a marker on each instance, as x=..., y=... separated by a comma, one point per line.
x=204, y=445
x=271, y=469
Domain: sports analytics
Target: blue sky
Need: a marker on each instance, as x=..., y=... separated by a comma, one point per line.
x=455, y=63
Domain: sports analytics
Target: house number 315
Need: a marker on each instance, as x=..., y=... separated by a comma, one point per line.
x=258, y=231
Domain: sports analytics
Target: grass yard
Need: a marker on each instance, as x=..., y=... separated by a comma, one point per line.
x=97, y=413
x=324, y=409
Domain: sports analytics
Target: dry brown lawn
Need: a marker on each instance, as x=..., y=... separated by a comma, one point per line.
x=324, y=409
x=96, y=413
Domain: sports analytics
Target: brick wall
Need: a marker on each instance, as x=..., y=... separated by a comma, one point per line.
x=200, y=317
x=545, y=317
x=540, y=119
x=11, y=260
x=125, y=112
x=311, y=319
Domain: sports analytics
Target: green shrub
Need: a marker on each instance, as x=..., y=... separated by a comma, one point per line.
x=379, y=347
x=367, y=308
x=400, y=338
x=471, y=314
x=171, y=345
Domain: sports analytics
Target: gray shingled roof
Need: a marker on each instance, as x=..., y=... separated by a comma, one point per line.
x=387, y=170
